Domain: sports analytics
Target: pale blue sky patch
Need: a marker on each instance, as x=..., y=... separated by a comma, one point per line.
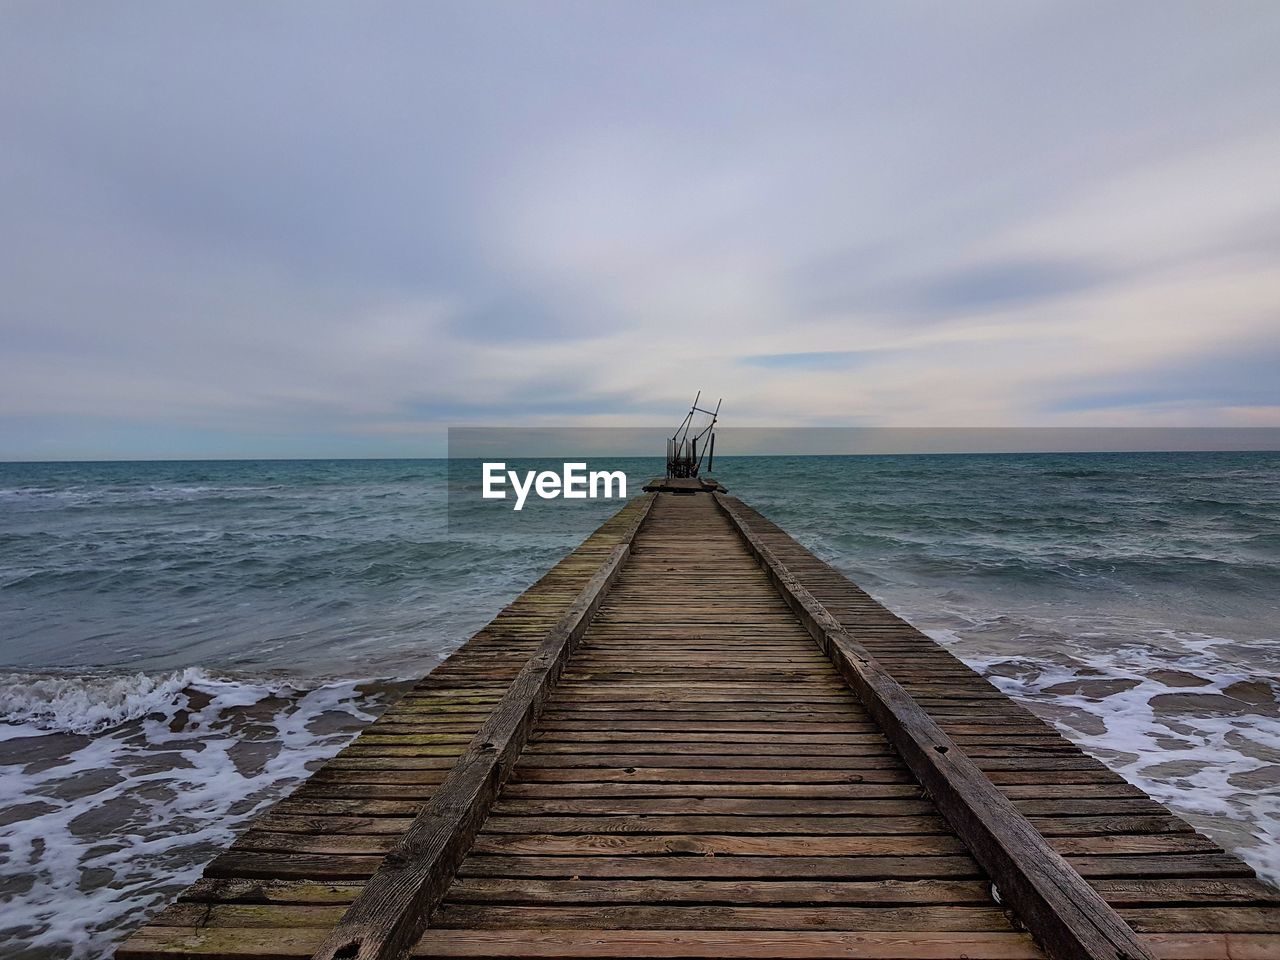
x=1005, y=284
x=817, y=360
x=1222, y=378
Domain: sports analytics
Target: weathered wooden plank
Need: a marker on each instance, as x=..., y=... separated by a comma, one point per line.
x=712, y=806
x=703, y=791
x=173, y=943
x=641, y=823
x=1181, y=891
x=268, y=865
x=795, y=806
x=708, y=867
x=711, y=844
x=1220, y=918
x=643, y=917
x=240, y=890
x=536, y=891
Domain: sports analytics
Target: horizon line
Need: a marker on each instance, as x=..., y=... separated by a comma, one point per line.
x=654, y=456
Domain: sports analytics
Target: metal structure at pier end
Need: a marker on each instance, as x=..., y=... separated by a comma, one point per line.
x=691, y=442
x=694, y=739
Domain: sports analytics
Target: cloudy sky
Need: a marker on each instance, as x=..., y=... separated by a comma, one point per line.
x=238, y=228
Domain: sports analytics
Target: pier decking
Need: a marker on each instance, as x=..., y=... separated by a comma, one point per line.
x=648, y=755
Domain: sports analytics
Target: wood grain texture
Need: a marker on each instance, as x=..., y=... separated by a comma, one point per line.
x=297, y=943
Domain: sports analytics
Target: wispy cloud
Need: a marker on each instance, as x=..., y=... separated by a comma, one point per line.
x=232, y=229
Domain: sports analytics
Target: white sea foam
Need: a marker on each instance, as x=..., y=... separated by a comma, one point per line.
x=1209, y=750
x=88, y=704
x=104, y=828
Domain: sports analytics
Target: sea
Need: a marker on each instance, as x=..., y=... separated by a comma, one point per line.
x=181, y=642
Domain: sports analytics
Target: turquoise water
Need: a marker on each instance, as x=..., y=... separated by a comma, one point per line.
x=157, y=617
x=320, y=567
x=311, y=568
x=1175, y=541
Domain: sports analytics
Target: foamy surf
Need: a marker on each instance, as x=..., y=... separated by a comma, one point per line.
x=89, y=704
x=1174, y=715
x=118, y=789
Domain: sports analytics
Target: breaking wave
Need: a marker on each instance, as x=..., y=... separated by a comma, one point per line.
x=91, y=704
x=116, y=790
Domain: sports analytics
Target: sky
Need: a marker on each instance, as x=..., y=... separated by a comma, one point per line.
x=337, y=229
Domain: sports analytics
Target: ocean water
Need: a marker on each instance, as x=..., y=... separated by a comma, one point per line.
x=182, y=642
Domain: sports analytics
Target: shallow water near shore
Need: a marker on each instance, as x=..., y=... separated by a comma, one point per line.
x=180, y=643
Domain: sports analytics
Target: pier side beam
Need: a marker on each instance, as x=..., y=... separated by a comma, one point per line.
x=1062, y=912
x=392, y=910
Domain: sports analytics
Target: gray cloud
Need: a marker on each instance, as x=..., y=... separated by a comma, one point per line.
x=231, y=227
x=1219, y=378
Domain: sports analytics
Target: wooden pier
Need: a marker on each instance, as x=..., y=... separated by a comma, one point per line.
x=693, y=739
